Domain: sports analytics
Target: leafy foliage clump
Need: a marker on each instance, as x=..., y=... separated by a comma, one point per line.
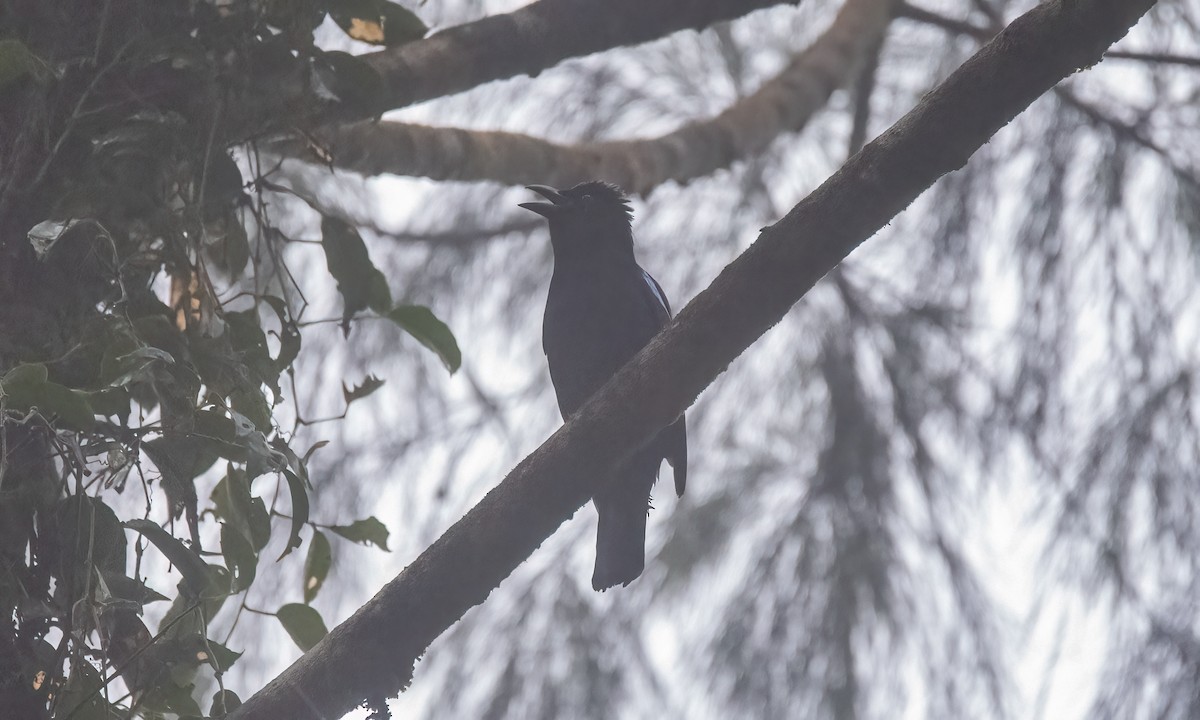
x=148, y=330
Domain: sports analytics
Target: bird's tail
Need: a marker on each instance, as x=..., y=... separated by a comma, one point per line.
x=621, y=534
x=620, y=546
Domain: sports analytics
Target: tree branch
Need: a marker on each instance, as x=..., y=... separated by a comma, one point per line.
x=535, y=37
x=523, y=42
x=373, y=652
x=785, y=103
x=963, y=27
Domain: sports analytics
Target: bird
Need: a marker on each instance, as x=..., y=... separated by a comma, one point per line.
x=601, y=309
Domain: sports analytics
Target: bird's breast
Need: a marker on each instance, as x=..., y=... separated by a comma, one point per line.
x=592, y=326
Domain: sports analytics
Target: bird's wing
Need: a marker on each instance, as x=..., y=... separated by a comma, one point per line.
x=673, y=439
x=658, y=296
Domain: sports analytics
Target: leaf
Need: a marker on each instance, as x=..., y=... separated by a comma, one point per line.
x=222, y=658
x=43, y=235
x=248, y=344
x=260, y=458
x=26, y=387
x=169, y=697
x=378, y=22
x=185, y=620
x=240, y=558
x=289, y=334
x=299, y=510
x=79, y=699
x=88, y=535
x=124, y=587
x=316, y=565
x=292, y=459
x=361, y=284
x=194, y=570
x=111, y=402
x=252, y=405
x=16, y=61
x=230, y=247
x=422, y=324
x=222, y=178
x=339, y=77
x=180, y=459
x=358, y=392
x=224, y=702
x=303, y=624
x=30, y=374
x=367, y=532
x=240, y=510
x=315, y=447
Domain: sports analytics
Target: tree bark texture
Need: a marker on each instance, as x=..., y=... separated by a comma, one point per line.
x=783, y=104
x=373, y=652
x=523, y=42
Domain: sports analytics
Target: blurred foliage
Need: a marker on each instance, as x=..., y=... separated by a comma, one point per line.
x=148, y=333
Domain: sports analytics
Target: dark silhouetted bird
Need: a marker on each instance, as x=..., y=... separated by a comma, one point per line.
x=601, y=310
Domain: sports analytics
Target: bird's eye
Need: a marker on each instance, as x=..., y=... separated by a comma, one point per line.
x=587, y=198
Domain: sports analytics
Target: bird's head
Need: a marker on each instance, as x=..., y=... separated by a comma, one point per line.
x=592, y=216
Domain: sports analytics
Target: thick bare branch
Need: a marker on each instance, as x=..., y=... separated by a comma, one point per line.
x=523, y=42
x=783, y=104
x=373, y=652
x=535, y=37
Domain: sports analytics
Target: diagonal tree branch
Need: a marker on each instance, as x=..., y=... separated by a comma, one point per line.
x=523, y=42
x=535, y=37
x=783, y=104
x=372, y=653
x=964, y=27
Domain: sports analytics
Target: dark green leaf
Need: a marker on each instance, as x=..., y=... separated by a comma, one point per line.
x=223, y=183
x=367, y=532
x=181, y=458
x=88, y=535
x=262, y=458
x=111, y=402
x=303, y=624
x=378, y=22
x=348, y=80
x=316, y=565
x=172, y=698
x=218, y=434
x=249, y=345
x=289, y=335
x=79, y=699
x=122, y=586
x=45, y=234
x=194, y=570
x=26, y=387
x=358, y=392
x=193, y=626
x=240, y=557
x=299, y=510
x=16, y=61
x=293, y=460
x=254, y=406
x=239, y=510
x=70, y=406
x=24, y=375
x=221, y=658
x=421, y=323
x=224, y=702
x=359, y=281
x=229, y=246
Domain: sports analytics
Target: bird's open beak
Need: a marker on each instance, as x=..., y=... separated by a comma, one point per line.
x=545, y=209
